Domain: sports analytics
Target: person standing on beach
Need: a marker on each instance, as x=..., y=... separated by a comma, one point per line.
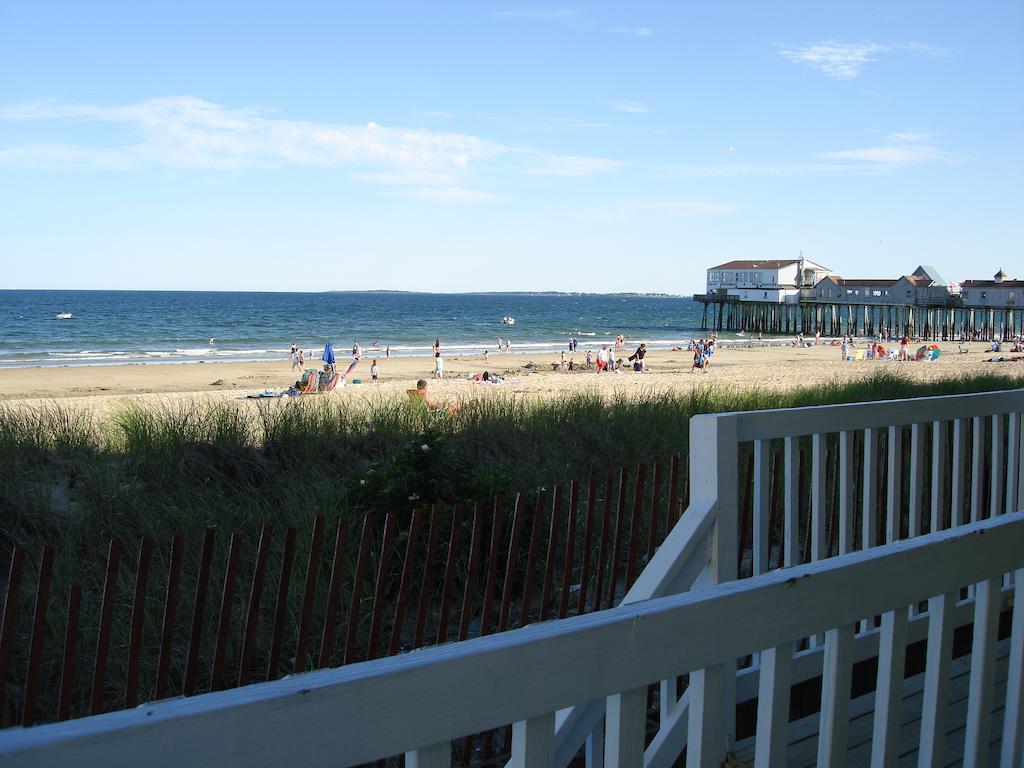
x=387, y=351
x=302, y=360
x=602, y=358
x=438, y=366
x=637, y=358
x=590, y=360
x=508, y=346
x=294, y=356
x=373, y=370
x=357, y=351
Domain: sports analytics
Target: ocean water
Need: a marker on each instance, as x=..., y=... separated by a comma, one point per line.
x=117, y=327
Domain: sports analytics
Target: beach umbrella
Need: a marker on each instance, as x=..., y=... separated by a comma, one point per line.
x=328, y=355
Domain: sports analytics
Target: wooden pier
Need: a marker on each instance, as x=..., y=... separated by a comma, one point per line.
x=924, y=321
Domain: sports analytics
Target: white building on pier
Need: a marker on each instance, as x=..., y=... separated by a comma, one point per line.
x=776, y=281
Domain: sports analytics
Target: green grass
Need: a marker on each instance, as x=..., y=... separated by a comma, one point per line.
x=64, y=477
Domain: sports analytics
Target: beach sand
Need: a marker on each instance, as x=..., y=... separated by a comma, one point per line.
x=101, y=388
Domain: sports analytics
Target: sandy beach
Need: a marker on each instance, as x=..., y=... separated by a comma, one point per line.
x=100, y=388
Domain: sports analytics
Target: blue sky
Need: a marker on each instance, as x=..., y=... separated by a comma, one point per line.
x=503, y=146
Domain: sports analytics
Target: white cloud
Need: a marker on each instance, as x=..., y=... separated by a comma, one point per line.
x=844, y=61
x=633, y=107
x=188, y=133
x=638, y=31
x=898, y=151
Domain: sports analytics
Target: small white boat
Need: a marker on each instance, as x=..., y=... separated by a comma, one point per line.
x=64, y=315
x=506, y=320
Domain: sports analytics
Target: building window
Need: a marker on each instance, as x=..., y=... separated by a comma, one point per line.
x=984, y=295
x=1011, y=295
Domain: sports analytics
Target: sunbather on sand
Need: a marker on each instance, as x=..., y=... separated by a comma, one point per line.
x=421, y=393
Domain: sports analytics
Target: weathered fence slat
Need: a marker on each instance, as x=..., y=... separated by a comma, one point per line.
x=620, y=513
x=327, y=637
x=106, y=617
x=602, y=548
x=10, y=617
x=549, y=560
x=252, y=614
x=309, y=593
x=198, y=612
x=531, y=557
x=570, y=543
x=369, y=522
x=67, y=671
x=494, y=552
x=281, y=607
x=588, y=534
x=471, y=573
x=449, y=575
x=224, y=624
x=131, y=693
x=639, y=486
x=652, y=526
x=426, y=583
x=406, y=582
x=673, y=497
x=383, y=570
x=35, y=652
x=510, y=563
x=163, y=665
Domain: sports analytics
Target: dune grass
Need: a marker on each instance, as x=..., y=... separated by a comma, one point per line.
x=66, y=477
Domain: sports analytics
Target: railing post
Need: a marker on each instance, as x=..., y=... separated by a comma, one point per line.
x=625, y=725
x=434, y=756
x=714, y=468
x=1013, y=718
x=533, y=742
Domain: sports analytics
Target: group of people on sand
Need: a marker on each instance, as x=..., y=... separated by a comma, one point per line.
x=702, y=350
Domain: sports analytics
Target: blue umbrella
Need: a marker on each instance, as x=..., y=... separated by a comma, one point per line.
x=328, y=355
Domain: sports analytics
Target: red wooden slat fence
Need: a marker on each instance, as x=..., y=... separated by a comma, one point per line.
x=399, y=587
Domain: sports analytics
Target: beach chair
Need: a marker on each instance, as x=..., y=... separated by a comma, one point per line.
x=861, y=353
x=329, y=386
x=310, y=379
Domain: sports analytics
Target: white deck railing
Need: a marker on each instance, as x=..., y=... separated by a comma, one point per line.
x=966, y=436
x=593, y=670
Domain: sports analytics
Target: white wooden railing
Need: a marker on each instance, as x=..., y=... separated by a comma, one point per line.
x=686, y=614
x=702, y=549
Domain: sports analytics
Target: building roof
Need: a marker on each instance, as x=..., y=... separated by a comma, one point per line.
x=932, y=273
x=843, y=281
x=756, y=264
x=992, y=284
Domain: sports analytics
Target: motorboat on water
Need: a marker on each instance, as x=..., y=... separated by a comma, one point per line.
x=506, y=320
x=64, y=315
